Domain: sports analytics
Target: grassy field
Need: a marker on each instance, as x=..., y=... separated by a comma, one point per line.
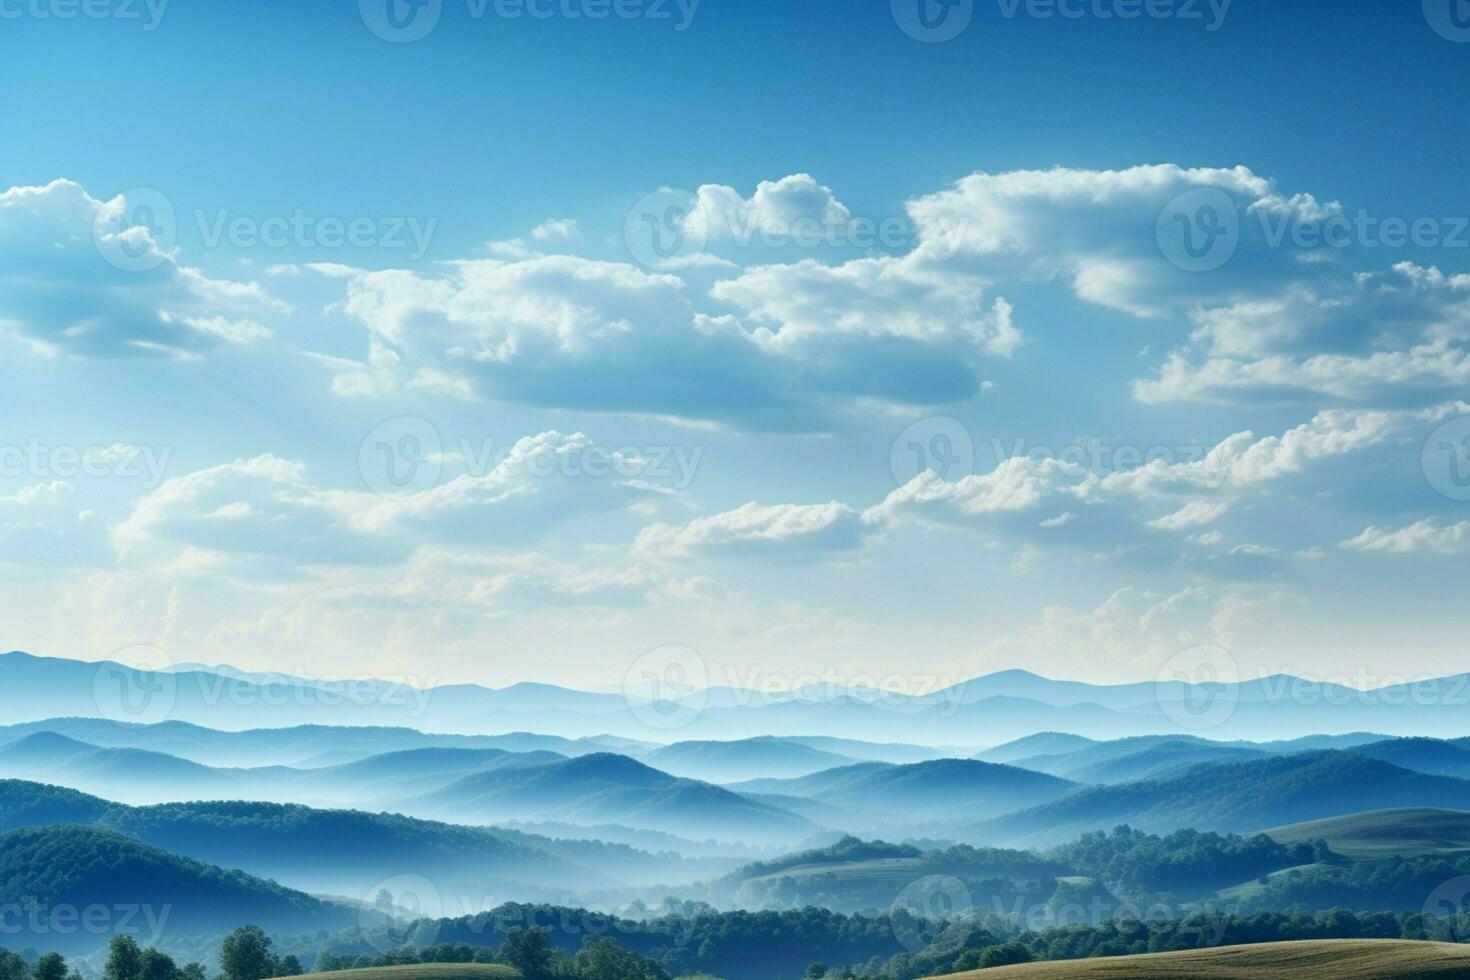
x=1326, y=959
x=1254, y=889
x=1384, y=834
x=424, y=971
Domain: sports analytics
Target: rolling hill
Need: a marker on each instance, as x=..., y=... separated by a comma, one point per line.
x=141, y=887
x=410, y=772
x=1155, y=760
x=728, y=762
x=853, y=875
x=1429, y=755
x=876, y=796
x=347, y=852
x=303, y=746
x=1382, y=835
x=1239, y=796
x=1323, y=959
x=1042, y=743
x=124, y=774
x=607, y=788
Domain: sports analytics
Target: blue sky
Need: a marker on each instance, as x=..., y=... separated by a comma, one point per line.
x=886, y=242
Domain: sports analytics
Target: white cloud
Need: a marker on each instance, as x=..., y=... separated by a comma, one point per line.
x=1094, y=229
x=556, y=228
x=562, y=331
x=782, y=531
x=916, y=312
x=1405, y=330
x=41, y=526
x=1421, y=536
x=264, y=517
x=1192, y=514
x=777, y=211
x=59, y=294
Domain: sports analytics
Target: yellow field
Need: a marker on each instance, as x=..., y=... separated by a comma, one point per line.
x=1326, y=959
x=423, y=971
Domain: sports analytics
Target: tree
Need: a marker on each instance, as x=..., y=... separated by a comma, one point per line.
x=290, y=966
x=603, y=959
x=52, y=966
x=12, y=967
x=528, y=950
x=246, y=955
x=124, y=960
x=193, y=971
x=816, y=971
x=1005, y=954
x=158, y=966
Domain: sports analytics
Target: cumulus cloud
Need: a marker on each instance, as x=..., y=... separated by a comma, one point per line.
x=1094, y=230
x=265, y=515
x=1404, y=332
x=779, y=210
x=782, y=531
x=1283, y=314
x=42, y=526
x=567, y=332
x=1192, y=514
x=556, y=228
x=60, y=294
x=1421, y=536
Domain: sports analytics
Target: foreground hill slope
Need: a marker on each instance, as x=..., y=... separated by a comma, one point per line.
x=346, y=852
x=1324, y=959
x=68, y=867
x=424, y=971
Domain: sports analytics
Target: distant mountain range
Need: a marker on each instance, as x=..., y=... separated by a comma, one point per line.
x=982, y=711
